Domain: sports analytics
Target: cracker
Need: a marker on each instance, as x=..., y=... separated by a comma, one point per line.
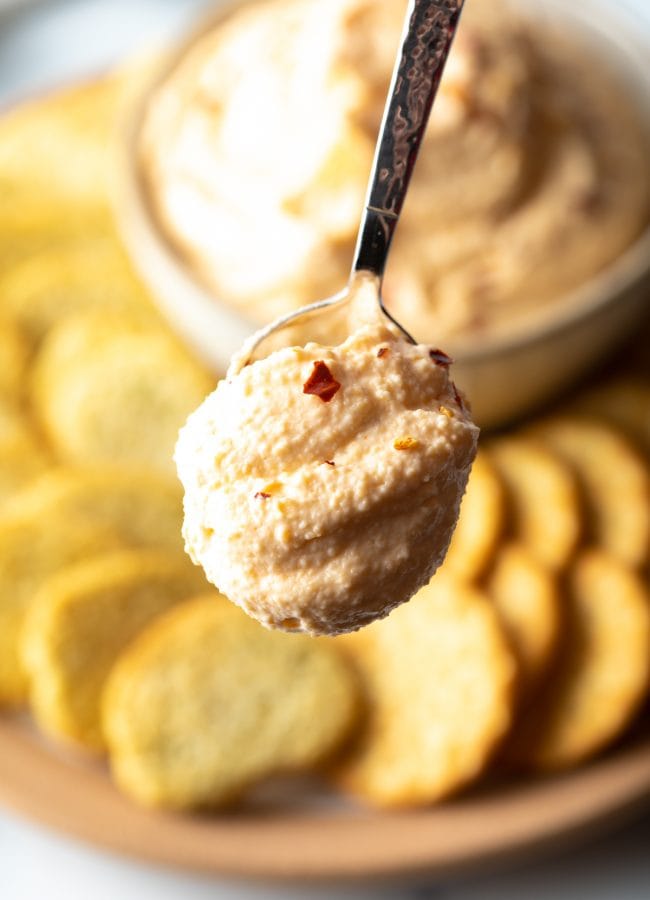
x=81, y=620
x=22, y=455
x=59, y=146
x=108, y=396
x=637, y=358
x=31, y=549
x=144, y=508
x=440, y=679
x=20, y=463
x=602, y=672
x=480, y=523
x=543, y=499
x=528, y=601
x=13, y=363
x=615, y=483
x=624, y=403
x=48, y=229
x=56, y=165
x=14, y=426
x=207, y=703
x=48, y=286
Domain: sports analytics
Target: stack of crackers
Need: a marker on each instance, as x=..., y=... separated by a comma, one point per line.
x=528, y=652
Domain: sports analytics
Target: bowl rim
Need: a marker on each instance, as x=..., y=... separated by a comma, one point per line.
x=586, y=301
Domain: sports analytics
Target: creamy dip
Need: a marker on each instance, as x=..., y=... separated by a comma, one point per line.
x=322, y=484
x=257, y=147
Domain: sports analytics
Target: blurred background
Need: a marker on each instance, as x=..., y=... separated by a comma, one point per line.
x=102, y=268
x=65, y=39
x=48, y=43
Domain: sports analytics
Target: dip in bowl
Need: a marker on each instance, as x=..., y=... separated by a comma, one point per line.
x=524, y=243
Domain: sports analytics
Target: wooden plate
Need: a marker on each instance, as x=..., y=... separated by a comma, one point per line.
x=318, y=840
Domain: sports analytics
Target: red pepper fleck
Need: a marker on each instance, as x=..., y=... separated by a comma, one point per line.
x=329, y=462
x=440, y=358
x=382, y=352
x=321, y=382
x=260, y=495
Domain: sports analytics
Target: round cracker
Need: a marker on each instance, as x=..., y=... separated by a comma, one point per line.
x=20, y=463
x=144, y=508
x=13, y=363
x=480, y=523
x=81, y=620
x=527, y=599
x=22, y=456
x=86, y=333
x=543, y=499
x=104, y=395
x=56, y=164
x=41, y=290
x=14, y=426
x=31, y=549
x=59, y=145
x=236, y=702
x=43, y=233
x=440, y=677
x=602, y=672
x=615, y=483
x=624, y=403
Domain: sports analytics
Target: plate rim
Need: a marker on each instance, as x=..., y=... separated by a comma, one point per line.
x=74, y=795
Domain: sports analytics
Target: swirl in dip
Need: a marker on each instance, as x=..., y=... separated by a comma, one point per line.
x=256, y=149
x=322, y=484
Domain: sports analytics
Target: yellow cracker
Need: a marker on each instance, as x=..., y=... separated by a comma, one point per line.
x=614, y=479
x=13, y=363
x=39, y=225
x=22, y=457
x=41, y=290
x=543, y=498
x=207, y=702
x=20, y=463
x=145, y=509
x=624, y=403
x=81, y=620
x=440, y=677
x=60, y=145
x=103, y=396
x=14, y=427
x=31, y=549
x=527, y=599
x=55, y=165
x=480, y=523
x=602, y=672
x=31, y=223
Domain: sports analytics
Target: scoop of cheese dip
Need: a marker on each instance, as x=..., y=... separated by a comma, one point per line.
x=322, y=484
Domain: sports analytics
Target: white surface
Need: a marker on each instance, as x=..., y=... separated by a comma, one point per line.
x=37, y=865
x=54, y=41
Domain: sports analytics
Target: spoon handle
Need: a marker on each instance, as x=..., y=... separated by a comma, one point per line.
x=429, y=31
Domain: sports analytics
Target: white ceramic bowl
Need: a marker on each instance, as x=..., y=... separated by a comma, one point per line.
x=505, y=378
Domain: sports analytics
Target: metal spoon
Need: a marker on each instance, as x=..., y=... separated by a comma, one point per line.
x=428, y=34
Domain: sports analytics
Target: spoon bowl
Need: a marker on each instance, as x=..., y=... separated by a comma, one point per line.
x=327, y=321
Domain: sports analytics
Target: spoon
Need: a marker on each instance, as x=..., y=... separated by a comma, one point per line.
x=428, y=34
